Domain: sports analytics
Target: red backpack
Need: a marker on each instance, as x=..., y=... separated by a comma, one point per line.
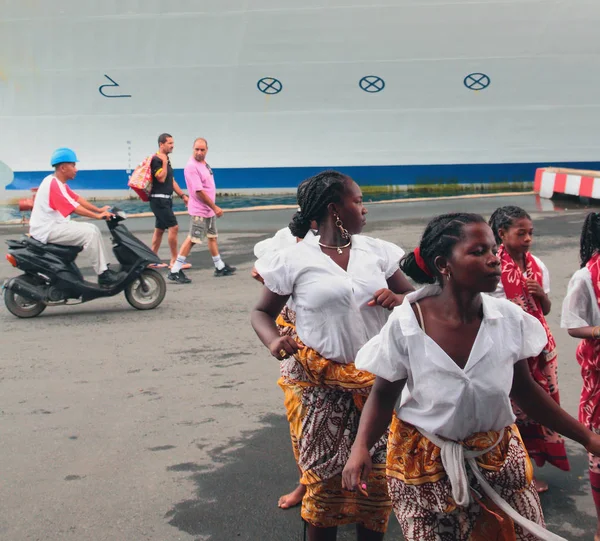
x=140, y=180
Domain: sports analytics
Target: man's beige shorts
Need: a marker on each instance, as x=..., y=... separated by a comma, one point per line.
x=201, y=228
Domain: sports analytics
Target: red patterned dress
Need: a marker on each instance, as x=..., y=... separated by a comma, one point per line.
x=581, y=308
x=542, y=444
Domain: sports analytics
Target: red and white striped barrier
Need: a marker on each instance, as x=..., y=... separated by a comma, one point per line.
x=550, y=180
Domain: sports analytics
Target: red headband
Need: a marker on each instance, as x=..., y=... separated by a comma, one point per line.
x=421, y=262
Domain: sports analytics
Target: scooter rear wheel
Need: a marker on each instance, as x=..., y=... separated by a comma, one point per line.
x=21, y=306
x=148, y=295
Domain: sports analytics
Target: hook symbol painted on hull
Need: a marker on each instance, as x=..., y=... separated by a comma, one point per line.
x=113, y=85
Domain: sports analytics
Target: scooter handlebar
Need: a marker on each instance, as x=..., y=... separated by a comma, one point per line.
x=118, y=215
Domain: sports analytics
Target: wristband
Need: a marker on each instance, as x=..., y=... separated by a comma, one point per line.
x=596, y=333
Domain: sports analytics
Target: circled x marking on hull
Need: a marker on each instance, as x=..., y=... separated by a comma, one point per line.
x=477, y=81
x=371, y=84
x=269, y=85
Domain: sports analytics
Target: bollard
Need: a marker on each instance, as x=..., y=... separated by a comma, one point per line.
x=26, y=205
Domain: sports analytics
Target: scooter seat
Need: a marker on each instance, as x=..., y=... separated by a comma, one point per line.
x=68, y=253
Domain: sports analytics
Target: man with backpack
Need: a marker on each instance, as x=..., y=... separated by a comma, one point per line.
x=161, y=196
x=203, y=214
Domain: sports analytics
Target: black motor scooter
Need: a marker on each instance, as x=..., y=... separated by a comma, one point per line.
x=52, y=278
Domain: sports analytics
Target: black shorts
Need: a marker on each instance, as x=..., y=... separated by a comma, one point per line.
x=163, y=211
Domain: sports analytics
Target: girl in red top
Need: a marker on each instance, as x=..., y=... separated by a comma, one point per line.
x=526, y=282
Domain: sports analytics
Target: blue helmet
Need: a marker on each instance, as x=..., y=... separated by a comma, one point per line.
x=63, y=155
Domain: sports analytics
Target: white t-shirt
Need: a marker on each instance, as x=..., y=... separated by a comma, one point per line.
x=332, y=316
x=580, y=307
x=54, y=204
x=440, y=397
x=500, y=294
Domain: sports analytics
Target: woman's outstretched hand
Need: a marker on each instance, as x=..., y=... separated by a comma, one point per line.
x=283, y=347
x=357, y=470
x=386, y=298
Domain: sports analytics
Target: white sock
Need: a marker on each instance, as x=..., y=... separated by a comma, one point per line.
x=179, y=262
x=218, y=262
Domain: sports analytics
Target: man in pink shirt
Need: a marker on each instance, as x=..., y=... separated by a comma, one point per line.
x=203, y=214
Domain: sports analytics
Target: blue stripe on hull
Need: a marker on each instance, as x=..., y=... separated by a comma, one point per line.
x=290, y=177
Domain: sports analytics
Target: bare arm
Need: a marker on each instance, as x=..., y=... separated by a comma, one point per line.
x=263, y=322
x=178, y=190
x=377, y=413
x=100, y=215
x=398, y=286
x=537, y=291
x=546, y=304
x=207, y=201
x=539, y=406
x=89, y=206
x=374, y=421
x=585, y=333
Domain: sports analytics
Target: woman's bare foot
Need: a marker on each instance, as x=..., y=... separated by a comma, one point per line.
x=542, y=486
x=293, y=498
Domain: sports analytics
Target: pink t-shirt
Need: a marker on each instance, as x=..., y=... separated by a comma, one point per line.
x=199, y=177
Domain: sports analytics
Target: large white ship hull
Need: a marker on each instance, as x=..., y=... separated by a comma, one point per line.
x=395, y=92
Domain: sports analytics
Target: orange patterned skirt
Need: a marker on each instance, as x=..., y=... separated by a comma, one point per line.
x=323, y=400
x=422, y=495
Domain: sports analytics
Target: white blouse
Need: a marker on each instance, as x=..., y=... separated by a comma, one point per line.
x=500, y=294
x=440, y=397
x=281, y=240
x=332, y=316
x=580, y=307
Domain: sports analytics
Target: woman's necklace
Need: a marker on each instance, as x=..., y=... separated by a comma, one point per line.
x=338, y=248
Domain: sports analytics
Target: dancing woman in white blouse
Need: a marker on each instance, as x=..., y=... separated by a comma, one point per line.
x=581, y=315
x=286, y=324
x=342, y=285
x=457, y=468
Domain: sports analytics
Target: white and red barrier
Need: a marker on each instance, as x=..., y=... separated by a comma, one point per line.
x=551, y=180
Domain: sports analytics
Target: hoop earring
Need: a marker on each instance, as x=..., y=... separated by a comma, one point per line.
x=340, y=226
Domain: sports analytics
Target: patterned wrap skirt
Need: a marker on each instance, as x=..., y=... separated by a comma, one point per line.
x=422, y=495
x=323, y=401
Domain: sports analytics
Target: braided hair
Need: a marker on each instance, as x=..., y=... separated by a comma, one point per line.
x=314, y=196
x=590, y=238
x=503, y=218
x=439, y=237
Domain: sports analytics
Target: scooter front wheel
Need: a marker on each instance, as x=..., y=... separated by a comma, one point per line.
x=21, y=306
x=146, y=292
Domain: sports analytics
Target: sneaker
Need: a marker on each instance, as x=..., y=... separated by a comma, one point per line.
x=225, y=271
x=179, y=277
x=110, y=277
x=232, y=269
x=186, y=266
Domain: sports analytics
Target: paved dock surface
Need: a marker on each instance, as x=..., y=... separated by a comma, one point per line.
x=169, y=425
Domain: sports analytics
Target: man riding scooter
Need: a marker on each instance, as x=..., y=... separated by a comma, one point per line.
x=51, y=216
